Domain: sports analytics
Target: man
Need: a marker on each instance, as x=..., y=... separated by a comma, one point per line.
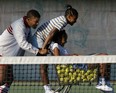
x=14, y=41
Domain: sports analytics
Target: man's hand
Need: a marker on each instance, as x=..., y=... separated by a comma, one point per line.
x=42, y=52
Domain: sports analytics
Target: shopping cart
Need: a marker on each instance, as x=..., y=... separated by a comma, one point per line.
x=74, y=74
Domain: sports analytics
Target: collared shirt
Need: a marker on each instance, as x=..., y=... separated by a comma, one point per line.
x=13, y=41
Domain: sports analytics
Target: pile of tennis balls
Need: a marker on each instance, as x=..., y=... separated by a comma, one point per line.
x=67, y=74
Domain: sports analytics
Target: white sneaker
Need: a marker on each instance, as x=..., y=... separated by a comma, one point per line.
x=4, y=89
x=99, y=85
x=104, y=88
x=51, y=91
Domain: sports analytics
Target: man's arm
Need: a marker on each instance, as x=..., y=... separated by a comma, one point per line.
x=19, y=35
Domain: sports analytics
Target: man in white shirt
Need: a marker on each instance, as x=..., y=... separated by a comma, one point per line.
x=14, y=41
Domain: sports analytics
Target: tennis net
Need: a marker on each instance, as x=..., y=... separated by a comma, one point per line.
x=67, y=74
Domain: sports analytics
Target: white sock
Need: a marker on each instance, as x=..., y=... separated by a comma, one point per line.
x=103, y=81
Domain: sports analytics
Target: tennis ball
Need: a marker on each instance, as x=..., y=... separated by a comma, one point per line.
x=77, y=70
x=61, y=75
x=95, y=76
x=58, y=67
x=75, y=81
x=70, y=66
x=63, y=66
x=91, y=75
x=82, y=72
x=92, y=79
x=62, y=70
x=66, y=73
x=78, y=78
x=74, y=74
x=70, y=74
x=66, y=79
x=61, y=79
x=71, y=69
x=79, y=74
x=58, y=71
x=71, y=79
x=67, y=69
x=84, y=79
x=95, y=71
x=88, y=72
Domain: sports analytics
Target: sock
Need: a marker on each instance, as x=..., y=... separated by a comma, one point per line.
x=103, y=81
x=100, y=80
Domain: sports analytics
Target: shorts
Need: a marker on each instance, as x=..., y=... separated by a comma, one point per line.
x=37, y=42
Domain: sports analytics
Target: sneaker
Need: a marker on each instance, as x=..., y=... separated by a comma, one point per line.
x=51, y=91
x=99, y=85
x=4, y=89
x=104, y=88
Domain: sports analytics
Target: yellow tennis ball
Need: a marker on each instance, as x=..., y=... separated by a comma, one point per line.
x=78, y=78
x=75, y=81
x=92, y=79
x=58, y=67
x=66, y=73
x=63, y=66
x=88, y=71
x=70, y=66
x=84, y=79
x=67, y=69
x=58, y=71
x=75, y=73
x=70, y=74
x=62, y=70
x=61, y=79
x=71, y=69
x=61, y=75
x=79, y=74
x=95, y=71
x=66, y=80
x=82, y=72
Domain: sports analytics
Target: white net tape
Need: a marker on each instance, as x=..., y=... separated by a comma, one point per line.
x=58, y=59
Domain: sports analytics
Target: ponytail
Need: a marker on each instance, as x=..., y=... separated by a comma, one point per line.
x=70, y=11
x=68, y=6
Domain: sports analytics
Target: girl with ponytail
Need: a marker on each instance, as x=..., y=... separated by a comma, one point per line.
x=44, y=35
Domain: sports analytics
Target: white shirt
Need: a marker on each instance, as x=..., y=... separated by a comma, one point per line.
x=13, y=41
x=62, y=50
